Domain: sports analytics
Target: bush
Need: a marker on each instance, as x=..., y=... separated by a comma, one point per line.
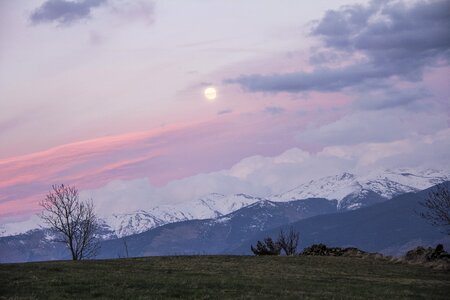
x=323, y=250
x=267, y=247
x=421, y=254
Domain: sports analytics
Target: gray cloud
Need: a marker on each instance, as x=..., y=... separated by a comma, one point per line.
x=8, y=124
x=323, y=79
x=322, y=56
x=274, y=110
x=134, y=10
x=396, y=40
x=386, y=33
x=224, y=111
x=64, y=12
x=391, y=98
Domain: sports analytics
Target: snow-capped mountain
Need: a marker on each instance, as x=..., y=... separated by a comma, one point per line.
x=352, y=191
x=210, y=206
x=389, y=228
x=348, y=190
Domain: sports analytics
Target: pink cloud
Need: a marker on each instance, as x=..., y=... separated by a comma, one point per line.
x=168, y=153
x=161, y=155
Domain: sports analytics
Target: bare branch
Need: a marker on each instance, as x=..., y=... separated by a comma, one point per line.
x=125, y=245
x=289, y=241
x=73, y=220
x=437, y=207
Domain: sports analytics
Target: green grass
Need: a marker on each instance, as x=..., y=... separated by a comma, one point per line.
x=222, y=277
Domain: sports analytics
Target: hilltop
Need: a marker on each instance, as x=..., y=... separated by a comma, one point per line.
x=222, y=277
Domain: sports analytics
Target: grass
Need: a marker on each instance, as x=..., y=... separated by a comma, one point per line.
x=221, y=277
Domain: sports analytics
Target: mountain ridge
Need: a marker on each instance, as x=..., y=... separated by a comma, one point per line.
x=349, y=190
x=391, y=227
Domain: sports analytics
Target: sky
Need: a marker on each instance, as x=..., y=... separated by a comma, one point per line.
x=107, y=95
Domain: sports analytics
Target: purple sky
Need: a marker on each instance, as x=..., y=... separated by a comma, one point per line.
x=108, y=93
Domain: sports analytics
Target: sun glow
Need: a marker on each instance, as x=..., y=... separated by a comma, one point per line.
x=210, y=93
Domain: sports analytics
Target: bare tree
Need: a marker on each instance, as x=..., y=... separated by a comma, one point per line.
x=73, y=220
x=437, y=207
x=288, y=241
x=125, y=246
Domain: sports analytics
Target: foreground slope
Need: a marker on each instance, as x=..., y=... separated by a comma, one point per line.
x=222, y=277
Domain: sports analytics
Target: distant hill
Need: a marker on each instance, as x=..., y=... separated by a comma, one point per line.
x=214, y=235
x=391, y=227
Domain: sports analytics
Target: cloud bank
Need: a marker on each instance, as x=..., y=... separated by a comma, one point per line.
x=384, y=40
x=64, y=12
x=264, y=176
x=162, y=155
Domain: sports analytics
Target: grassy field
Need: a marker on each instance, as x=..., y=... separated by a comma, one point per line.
x=222, y=277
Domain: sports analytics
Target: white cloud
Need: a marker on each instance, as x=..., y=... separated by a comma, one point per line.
x=265, y=176
x=375, y=127
x=19, y=227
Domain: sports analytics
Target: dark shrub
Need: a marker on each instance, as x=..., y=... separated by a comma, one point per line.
x=427, y=254
x=323, y=250
x=267, y=247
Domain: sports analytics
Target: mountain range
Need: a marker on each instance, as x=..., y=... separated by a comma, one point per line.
x=391, y=227
x=347, y=190
x=210, y=206
x=230, y=223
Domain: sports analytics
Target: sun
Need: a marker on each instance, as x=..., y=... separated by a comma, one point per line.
x=210, y=93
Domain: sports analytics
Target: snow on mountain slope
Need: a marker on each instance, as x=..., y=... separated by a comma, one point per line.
x=351, y=191
x=386, y=183
x=222, y=205
x=393, y=182
x=331, y=187
x=210, y=206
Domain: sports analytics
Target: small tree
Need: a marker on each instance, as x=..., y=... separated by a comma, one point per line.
x=125, y=246
x=288, y=241
x=73, y=220
x=267, y=247
x=437, y=207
